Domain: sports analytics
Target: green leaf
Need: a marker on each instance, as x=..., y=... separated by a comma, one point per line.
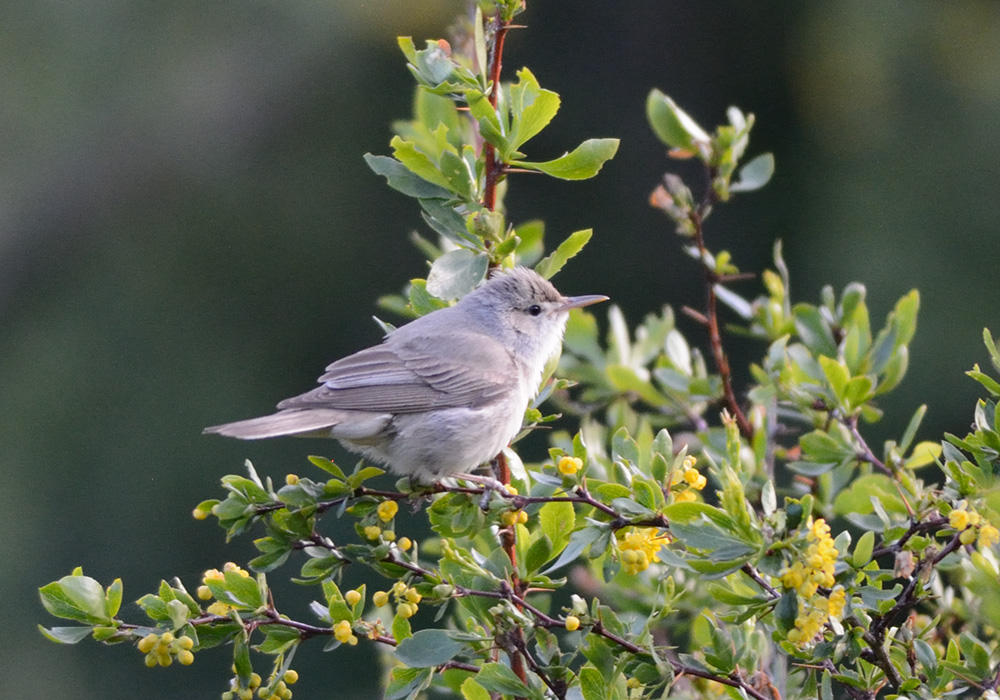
x=904, y=317
x=819, y=446
x=427, y=648
x=65, y=635
x=786, y=611
x=912, y=427
x=671, y=124
x=836, y=374
x=814, y=330
x=405, y=682
x=489, y=122
x=456, y=273
x=538, y=553
x=75, y=598
x=858, y=391
x=863, y=549
x=923, y=454
x=532, y=108
x=626, y=380
x=402, y=179
x=986, y=380
x=401, y=628
x=754, y=174
x=992, y=348
x=592, y=685
x=530, y=235
x=243, y=590
x=500, y=679
x=578, y=542
x=473, y=691
x=462, y=180
x=418, y=162
x=573, y=244
x=582, y=163
x=557, y=520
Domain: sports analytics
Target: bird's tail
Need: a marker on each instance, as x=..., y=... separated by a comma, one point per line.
x=305, y=423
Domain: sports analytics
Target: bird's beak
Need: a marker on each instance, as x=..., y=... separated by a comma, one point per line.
x=576, y=302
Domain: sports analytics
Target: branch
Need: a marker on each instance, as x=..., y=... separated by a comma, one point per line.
x=866, y=452
x=712, y=317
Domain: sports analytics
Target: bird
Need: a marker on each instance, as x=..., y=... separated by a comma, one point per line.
x=441, y=395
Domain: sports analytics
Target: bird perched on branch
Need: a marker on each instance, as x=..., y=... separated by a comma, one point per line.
x=442, y=394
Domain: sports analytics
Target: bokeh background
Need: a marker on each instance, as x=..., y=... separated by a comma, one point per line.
x=188, y=233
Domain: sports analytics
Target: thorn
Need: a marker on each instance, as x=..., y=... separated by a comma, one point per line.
x=696, y=315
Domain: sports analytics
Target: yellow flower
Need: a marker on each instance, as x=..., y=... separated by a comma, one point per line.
x=404, y=544
x=372, y=532
x=568, y=466
x=204, y=593
x=805, y=576
x=572, y=623
x=959, y=518
x=639, y=548
x=219, y=608
x=212, y=575
x=291, y=479
x=387, y=510
x=342, y=631
x=352, y=597
x=684, y=496
x=988, y=535
x=380, y=598
x=230, y=567
x=511, y=517
x=147, y=643
x=838, y=597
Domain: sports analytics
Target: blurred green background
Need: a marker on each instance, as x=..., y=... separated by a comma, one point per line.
x=188, y=234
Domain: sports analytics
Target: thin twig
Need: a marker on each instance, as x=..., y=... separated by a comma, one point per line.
x=697, y=218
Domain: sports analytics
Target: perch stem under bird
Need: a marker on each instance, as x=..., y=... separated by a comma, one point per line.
x=442, y=394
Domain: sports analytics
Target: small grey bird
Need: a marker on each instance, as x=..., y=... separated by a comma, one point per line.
x=441, y=395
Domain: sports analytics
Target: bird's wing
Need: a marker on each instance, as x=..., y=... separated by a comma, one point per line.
x=414, y=375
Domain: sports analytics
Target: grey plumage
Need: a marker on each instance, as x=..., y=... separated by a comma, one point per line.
x=441, y=394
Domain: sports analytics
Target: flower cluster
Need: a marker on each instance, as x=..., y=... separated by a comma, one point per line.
x=406, y=599
x=639, y=547
x=161, y=649
x=280, y=691
x=384, y=513
x=973, y=527
x=686, y=480
x=344, y=633
x=805, y=576
x=205, y=593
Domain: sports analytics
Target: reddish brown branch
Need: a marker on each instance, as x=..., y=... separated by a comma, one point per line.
x=494, y=168
x=712, y=317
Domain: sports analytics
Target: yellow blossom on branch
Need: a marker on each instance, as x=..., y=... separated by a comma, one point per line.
x=639, y=547
x=387, y=510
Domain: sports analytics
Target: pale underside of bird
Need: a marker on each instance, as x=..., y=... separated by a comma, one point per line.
x=442, y=394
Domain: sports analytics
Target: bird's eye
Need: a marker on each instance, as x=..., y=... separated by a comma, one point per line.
x=534, y=309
